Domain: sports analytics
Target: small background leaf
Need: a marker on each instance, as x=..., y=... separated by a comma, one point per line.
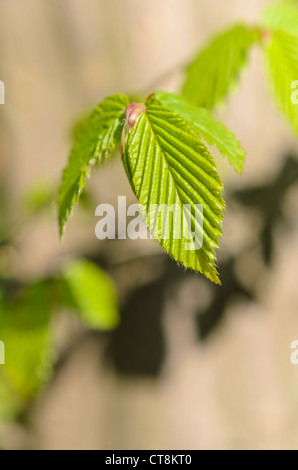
x=26, y=332
x=39, y=197
x=93, y=293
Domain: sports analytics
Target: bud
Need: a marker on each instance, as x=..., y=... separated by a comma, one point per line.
x=266, y=35
x=132, y=112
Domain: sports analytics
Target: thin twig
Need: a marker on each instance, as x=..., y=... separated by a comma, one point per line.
x=163, y=77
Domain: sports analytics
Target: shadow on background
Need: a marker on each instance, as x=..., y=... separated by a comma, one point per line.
x=137, y=347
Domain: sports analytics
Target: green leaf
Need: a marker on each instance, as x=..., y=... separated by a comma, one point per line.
x=10, y=403
x=26, y=333
x=216, y=69
x=168, y=166
x=93, y=293
x=212, y=131
x=281, y=56
x=39, y=197
x=281, y=16
x=95, y=140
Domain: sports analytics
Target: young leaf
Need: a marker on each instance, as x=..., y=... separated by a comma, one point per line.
x=169, y=166
x=216, y=69
x=212, y=131
x=95, y=140
x=280, y=45
x=281, y=15
x=93, y=293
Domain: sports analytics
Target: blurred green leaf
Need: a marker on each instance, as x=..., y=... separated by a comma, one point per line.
x=93, y=293
x=281, y=16
x=26, y=333
x=215, y=71
x=39, y=196
x=3, y=210
x=10, y=402
x=280, y=45
x=213, y=132
x=95, y=140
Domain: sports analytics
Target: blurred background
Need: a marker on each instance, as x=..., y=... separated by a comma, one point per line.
x=190, y=365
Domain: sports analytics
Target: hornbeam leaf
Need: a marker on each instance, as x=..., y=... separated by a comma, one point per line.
x=175, y=180
x=95, y=140
x=216, y=69
x=213, y=132
x=281, y=15
x=93, y=294
x=280, y=45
